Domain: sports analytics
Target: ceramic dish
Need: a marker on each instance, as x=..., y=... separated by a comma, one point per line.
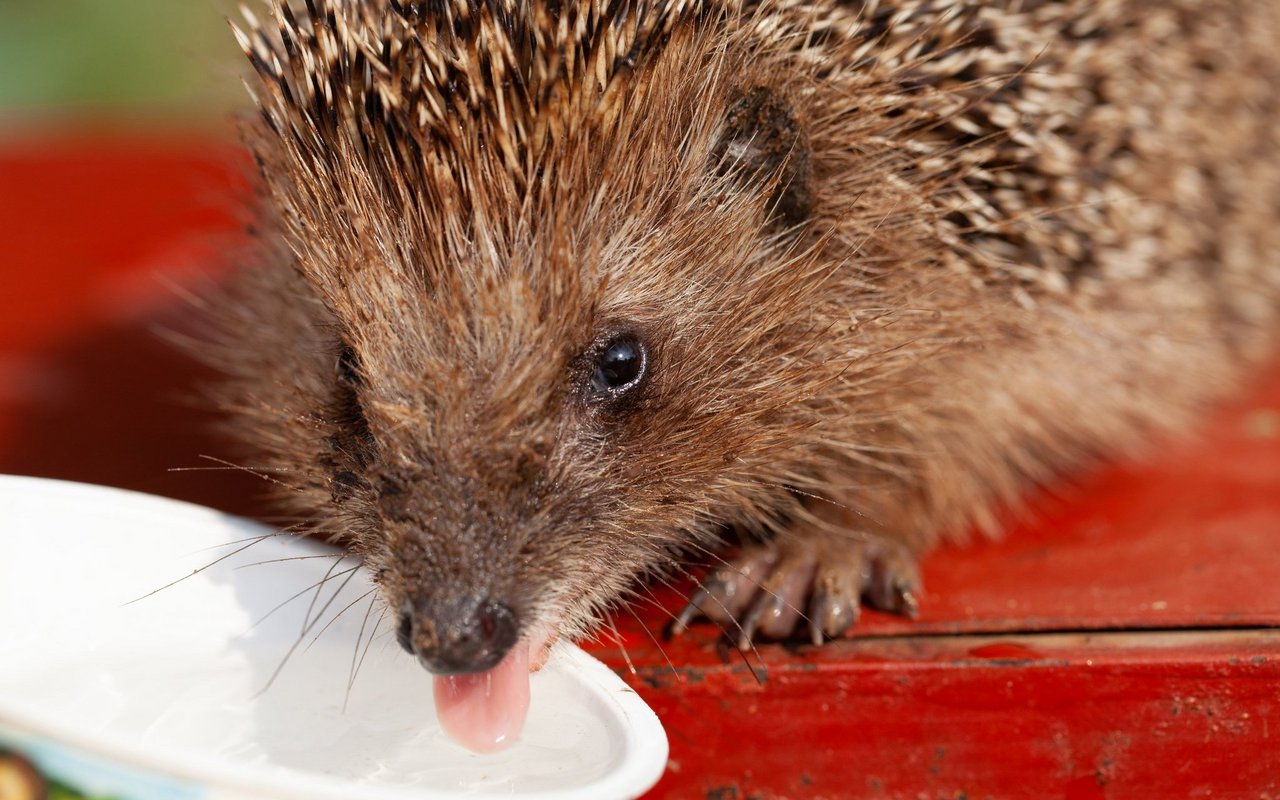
x=254, y=678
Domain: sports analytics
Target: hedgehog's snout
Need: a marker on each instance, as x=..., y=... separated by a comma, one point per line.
x=457, y=638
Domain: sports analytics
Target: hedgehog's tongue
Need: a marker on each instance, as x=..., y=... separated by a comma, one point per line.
x=485, y=711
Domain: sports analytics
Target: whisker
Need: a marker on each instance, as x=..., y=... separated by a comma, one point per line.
x=253, y=470
x=802, y=493
x=680, y=678
x=216, y=561
x=295, y=596
x=335, y=618
x=306, y=619
x=257, y=472
x=293, y=648
x=622, y=648
x=355, y=667
x=759, y=673
x=732, y=617
x=249, y=539
x=290, y=558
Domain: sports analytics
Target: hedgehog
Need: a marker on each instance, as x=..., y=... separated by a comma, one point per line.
x=548, y=295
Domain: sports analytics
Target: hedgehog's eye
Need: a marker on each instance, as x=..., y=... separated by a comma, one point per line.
x=619, y=366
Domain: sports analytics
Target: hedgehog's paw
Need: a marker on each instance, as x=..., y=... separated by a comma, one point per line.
x=818, y=577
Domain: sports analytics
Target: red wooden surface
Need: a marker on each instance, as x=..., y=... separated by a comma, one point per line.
x=1189, y=714
x=1125, y=643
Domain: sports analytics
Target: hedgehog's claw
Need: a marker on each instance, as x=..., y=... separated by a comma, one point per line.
x=833, y=603
x=780, y=596
x=725, y=593
x=894, y=584
x=835, y=574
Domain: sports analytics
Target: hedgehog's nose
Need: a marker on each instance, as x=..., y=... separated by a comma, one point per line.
x=455, y=644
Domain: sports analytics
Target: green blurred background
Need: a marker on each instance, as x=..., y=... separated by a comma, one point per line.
x=120, y=61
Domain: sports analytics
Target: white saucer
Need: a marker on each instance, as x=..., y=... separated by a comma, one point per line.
x=168, y=696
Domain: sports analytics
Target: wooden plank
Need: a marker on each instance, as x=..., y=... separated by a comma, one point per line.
x=1187, y=537
x=1113, y=715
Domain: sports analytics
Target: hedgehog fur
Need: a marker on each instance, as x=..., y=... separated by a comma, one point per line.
x=891, y=263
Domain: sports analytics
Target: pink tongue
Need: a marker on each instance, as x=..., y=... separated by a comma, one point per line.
x=485, y=711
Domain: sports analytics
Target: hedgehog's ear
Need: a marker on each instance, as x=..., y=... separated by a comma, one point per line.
x=764, y=145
